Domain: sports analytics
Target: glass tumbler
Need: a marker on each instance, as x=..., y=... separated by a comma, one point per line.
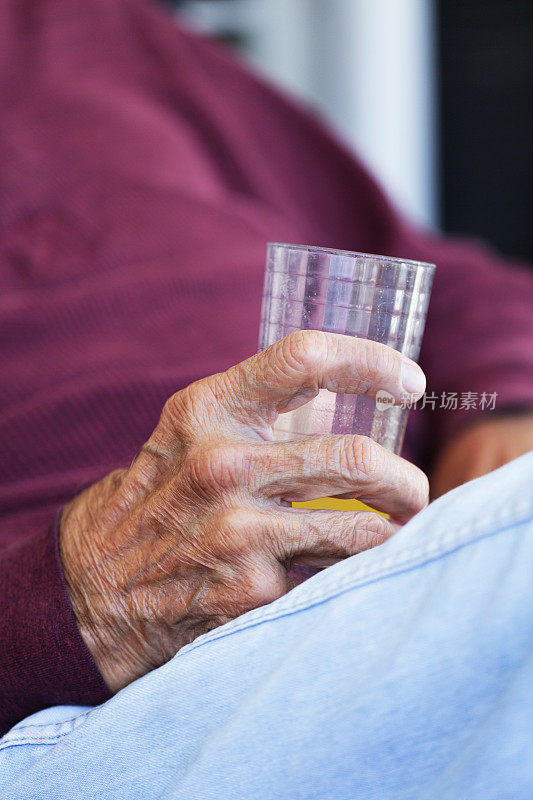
x=367, y=296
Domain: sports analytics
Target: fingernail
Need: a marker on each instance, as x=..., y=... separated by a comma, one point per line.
x=413, y=379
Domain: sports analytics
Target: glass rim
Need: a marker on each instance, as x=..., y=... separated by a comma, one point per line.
x=354, y=254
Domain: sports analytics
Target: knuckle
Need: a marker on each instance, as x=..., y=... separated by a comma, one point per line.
x=232, y=538
x=263, y=585
x=360, y=458
x=235, y=525
x=371, y=530
x=195, y=406
x=171, y=410
x=211, y=468
x=178, y=412
x=305, y=350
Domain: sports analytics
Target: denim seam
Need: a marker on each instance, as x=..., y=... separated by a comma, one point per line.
x=52, y=738
x=445, y=544
x=55, y=739
x=46, y=724
x=388, y=568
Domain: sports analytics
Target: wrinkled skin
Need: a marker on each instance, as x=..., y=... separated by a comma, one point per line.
x=200, y=529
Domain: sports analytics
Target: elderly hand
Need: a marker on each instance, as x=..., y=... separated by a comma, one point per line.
x=200, y=528
x=480, y=448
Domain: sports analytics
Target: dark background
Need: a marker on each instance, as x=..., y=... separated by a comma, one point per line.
x=486, y=120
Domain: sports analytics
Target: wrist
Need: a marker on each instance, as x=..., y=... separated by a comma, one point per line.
x=83, y=527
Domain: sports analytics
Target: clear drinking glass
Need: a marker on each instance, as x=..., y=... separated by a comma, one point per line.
x=366, y=296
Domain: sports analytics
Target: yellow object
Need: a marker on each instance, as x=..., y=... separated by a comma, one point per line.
x=337, y=504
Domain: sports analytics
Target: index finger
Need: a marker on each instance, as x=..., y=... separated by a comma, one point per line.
x=292, y=371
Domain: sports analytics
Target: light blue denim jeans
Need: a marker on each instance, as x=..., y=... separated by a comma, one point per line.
x=403, y=672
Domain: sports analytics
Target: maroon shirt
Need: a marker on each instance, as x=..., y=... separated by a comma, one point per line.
x=142, y=171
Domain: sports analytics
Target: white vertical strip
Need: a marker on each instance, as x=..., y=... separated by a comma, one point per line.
x=280, y=31
x=367, y=64
x=375, y=78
